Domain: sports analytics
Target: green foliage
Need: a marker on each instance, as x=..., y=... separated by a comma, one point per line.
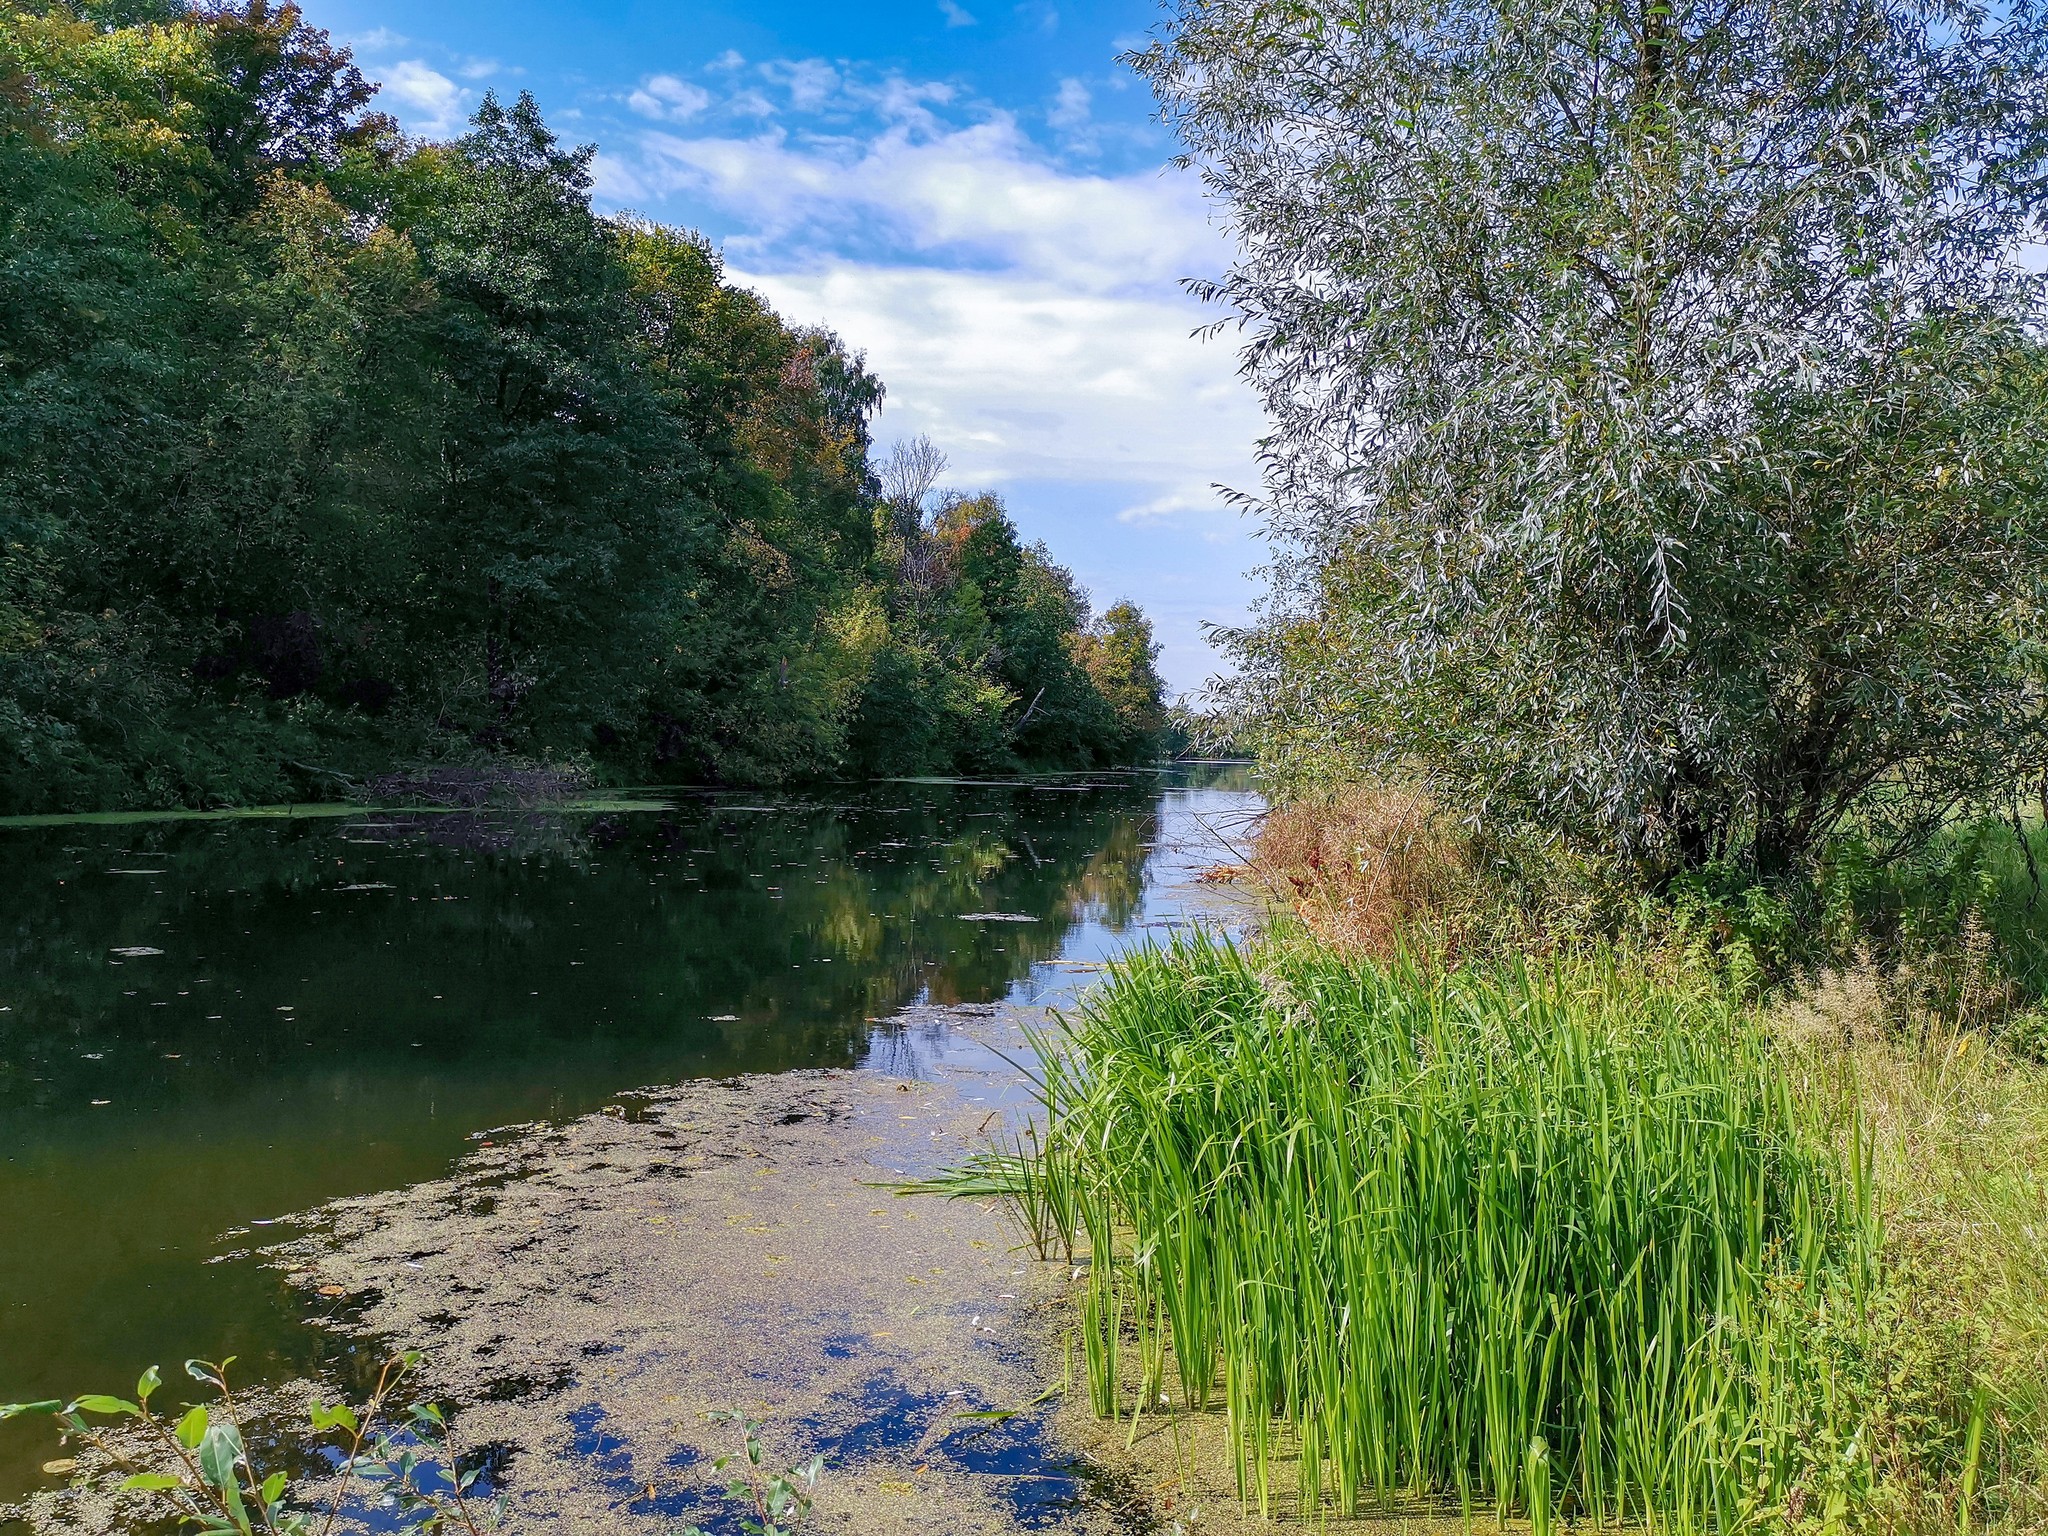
x=1659, y=444
x=1955, y=928
x=322, y=449
x=1559, y=1241
x=992, y=659
x=197, y=1470
x=778, y=1503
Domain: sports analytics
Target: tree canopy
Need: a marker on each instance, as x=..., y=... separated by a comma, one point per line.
x=1658, y=444
x=324, y=450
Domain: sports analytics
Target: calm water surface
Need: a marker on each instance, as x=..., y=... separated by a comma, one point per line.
x=207, y=1025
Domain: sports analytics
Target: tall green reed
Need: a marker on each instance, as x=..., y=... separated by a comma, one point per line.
x=1405, y=1227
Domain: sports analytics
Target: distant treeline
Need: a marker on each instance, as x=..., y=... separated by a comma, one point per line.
x=325, y=451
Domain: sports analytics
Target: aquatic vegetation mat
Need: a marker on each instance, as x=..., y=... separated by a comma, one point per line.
x=1555, y=1242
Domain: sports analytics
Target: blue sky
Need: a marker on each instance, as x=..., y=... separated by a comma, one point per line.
x=970, y=191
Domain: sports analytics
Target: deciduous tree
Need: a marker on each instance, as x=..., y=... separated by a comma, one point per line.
x=1657, y=447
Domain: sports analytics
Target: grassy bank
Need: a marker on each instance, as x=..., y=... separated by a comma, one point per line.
x=1736, y=1222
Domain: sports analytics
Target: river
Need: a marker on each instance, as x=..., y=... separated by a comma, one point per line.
x=207, y=1024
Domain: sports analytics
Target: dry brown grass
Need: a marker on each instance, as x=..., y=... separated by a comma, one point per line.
x=1373, y=870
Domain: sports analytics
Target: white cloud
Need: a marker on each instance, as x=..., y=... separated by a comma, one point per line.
x=430, y=103
x=811, y=83
x=903, y=101
x=1070, y=108
x=478, y=69
x=955, y=13
x=979, y=192
x=1176, y=505
x=1019, y=377
x=664, y=97
x=376, y=40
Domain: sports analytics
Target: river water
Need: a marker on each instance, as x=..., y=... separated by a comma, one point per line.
x=208, y=1024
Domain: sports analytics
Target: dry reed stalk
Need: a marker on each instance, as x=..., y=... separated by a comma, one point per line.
x=1373, y=870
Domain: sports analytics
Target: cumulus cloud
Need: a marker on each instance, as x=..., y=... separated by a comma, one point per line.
x=811, y=83
x=1023, y=378
x=956, y=14
x=429, y=102
x=980, y=193
x=665, y=97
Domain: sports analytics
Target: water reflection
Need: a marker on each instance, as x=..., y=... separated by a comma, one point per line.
x=203, y=1025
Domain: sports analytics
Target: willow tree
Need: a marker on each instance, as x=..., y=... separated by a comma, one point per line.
x=1658, y=434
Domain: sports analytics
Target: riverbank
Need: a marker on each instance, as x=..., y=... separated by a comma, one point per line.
x=1452, y=1206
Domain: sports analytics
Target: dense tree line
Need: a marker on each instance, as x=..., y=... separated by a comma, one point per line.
x=325, y=450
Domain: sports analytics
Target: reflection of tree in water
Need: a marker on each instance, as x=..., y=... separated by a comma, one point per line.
x=910, y=1048
x=572, y=945
x=1113, y=881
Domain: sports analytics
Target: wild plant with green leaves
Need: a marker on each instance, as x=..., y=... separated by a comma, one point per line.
x=772, y=1502
x=1545, y=1240
x=197, y=1470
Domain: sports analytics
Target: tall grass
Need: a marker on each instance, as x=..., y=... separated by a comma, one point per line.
x=1486, y=1235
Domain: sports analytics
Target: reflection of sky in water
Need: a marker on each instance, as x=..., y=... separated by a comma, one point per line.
x=1198, y=829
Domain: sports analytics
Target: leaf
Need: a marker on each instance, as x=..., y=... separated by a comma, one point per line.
x=15, y=1410
x=220, y=1452
x=340, y=1414
x=99, y=1402
x=153, y=1482
x=192, y=1428
x=274, y=1487
x=150, y=1380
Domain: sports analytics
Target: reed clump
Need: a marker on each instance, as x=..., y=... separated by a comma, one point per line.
x=1479, y=1234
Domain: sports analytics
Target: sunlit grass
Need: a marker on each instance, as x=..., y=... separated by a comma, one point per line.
x=1464, y=1237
